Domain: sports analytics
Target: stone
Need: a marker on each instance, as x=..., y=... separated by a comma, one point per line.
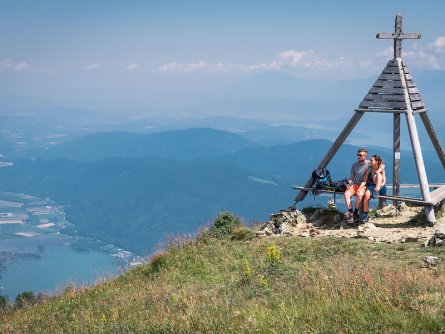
x=370, y=226
x=440, y=243
x=440, y=234
x=431, y=260
x=411, y=237
x=268, y=231
x=301, y=226
x=431, y=242
x=260, y=234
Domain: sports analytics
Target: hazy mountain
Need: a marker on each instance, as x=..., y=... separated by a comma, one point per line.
x=135, y=203
x=179, y=145
x=281, y=135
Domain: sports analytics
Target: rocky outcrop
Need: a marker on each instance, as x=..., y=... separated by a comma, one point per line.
x=437, y=239
x=388, y=225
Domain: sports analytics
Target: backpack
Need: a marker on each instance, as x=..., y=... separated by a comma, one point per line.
x=339, y=186
x=321, y=178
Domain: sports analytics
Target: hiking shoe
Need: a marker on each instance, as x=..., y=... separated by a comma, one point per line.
x=350, y=218
x=375, y=194
x=363, y=218
x=356, y=217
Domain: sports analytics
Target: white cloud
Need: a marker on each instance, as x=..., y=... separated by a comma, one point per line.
x=133, y=67
x=9, y=64
x=386, y=53
x=93, y=66
x=192, y=67
x=295, y=59
x=438, y=45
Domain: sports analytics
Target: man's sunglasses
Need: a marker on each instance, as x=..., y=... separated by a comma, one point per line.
x=361, y=155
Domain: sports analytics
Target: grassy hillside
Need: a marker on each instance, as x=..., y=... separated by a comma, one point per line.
x=279, y=285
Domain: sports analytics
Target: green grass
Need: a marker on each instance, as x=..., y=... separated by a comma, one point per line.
x=271, y=285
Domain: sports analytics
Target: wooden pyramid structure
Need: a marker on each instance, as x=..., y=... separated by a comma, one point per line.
x=395, y=92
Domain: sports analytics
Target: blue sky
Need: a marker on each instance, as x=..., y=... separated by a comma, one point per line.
x=116, y=55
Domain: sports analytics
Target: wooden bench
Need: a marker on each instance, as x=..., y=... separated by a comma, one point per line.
x=437, y=196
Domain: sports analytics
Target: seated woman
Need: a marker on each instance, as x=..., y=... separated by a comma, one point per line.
x=375, y=184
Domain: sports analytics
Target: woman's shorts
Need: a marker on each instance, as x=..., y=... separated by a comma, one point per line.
x=381, y=192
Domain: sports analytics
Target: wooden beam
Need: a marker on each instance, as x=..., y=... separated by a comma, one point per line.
x=330, y=154
x=396, y=158
x=438, y=195
x=434, y=139
x=417, y=151
x=390, y=111
x=418, y=201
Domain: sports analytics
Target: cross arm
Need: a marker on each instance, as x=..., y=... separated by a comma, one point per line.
x=392, y=35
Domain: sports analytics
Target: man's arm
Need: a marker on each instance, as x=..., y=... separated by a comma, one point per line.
x=364, y=178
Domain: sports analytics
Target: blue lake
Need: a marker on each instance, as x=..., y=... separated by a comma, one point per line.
x=54, y=269
x=35, y=254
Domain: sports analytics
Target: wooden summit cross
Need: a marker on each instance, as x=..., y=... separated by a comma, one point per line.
x=395, y=92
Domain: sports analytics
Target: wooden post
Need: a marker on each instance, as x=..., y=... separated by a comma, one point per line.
x=396, y=158
x=417, y=151
x=433, y=137
x=334, y=148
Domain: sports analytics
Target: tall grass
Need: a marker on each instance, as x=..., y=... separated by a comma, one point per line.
x=273, y=285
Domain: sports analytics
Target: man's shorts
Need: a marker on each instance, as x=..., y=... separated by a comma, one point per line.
x=355, y=187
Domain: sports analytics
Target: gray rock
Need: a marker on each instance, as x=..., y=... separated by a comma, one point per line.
x=431, y=260
x=440, y=243
x=431, y=242
x=411, y=238
x=440, y=234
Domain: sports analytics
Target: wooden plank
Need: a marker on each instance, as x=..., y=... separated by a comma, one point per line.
x=438, y=195
x=383, y=105
x=385, y=97
x=394, y=69
x=405, y=35
x=393, y=77
x=416, y=185
x=417, y=105
x=389, y=84
x=415, y=97
x=391, y=70
x=386, y=90
x=398, y=91
x=389, y=111
x=419, y=201
x=317, y=190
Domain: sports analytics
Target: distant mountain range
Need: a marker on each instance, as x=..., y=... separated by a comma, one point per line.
x=179, y=145
x=112, y=192
x=135, y=203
